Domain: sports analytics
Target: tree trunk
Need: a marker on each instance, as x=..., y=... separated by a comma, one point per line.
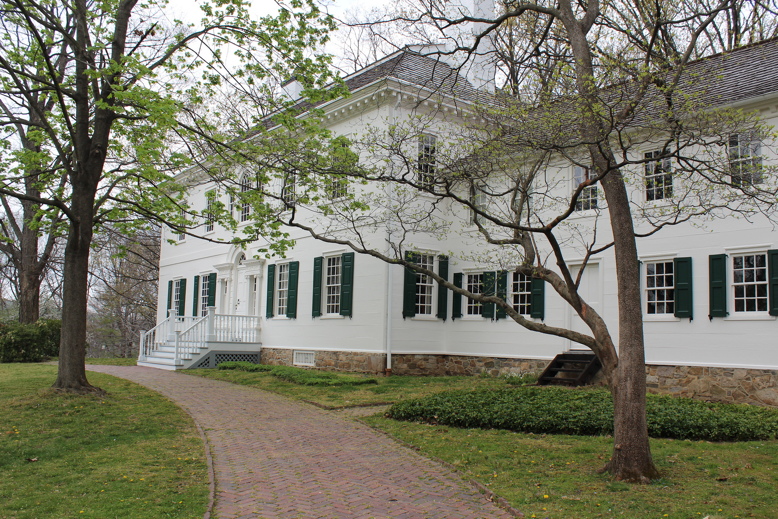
x=631, y=459
x=72, y=346
x=28, y=266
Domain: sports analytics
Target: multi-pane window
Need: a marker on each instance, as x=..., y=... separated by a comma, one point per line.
x=749, y=282
x=660, y=287
x=475, y=285
x=337, y=188
x=478, y=198
x=424, y=285
x=209, y=216
x=282, y=291
x=204, y=293
x=521, y=293
x=658, y=177
x=244, y=207
x=427, y=160
x=332, y=285
x=177, y=296
x=181, y=234
x=745, y=159
x=587, y=198
x=289, y=189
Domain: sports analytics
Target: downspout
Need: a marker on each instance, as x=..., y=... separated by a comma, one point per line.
x=388, y=333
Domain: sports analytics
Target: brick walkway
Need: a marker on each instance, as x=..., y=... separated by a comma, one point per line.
x=277, y=458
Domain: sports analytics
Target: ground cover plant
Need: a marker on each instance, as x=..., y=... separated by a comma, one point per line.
x=587, y=411
x=387, y=390
x=556, y=476
x=112, y=361
x=300, y=376
x=129, y=454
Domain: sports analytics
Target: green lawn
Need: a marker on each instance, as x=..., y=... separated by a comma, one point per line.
x=388, y=390
x=130, y=454
x=555, y=476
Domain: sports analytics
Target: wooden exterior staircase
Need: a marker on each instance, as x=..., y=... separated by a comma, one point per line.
x=570, y=369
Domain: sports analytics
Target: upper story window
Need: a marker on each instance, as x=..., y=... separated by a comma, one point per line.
x=244, y=208
x=479, y=199
x=289, y=189
x=474, y=284
x=205, y=292
x=658, y=177
x=587, y=198
x=427, y=161
x=745, y=159
x=337, y=188
x=210, y=218
x=182, y=234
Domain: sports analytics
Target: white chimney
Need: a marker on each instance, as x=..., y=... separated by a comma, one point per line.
x=480, y=67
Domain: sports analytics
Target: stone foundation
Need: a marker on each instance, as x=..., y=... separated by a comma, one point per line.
x=440, y=365
x=733, y=385
x=738, y=385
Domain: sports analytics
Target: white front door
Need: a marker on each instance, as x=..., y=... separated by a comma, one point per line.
x=590, y=291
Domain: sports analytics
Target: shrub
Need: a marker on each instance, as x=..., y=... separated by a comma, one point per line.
x=29, y=342
x=244, y=366
x=587, y=412
x=303, y=377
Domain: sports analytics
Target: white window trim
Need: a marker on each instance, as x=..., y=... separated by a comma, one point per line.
x=665, y=200
x=277, y=315
x=465, y=299
x=324, y=313
x=654, y=258
x=509, y=294
x=599, y=200
x=745, y=316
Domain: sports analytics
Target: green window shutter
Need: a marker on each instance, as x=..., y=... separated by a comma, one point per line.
x=717, y=276
x=182, y=298
x=456, y=305
x=271, y=282
x=316, y=301
x=212, y=289
x=409, y=287
x=291, y=302
x=442, y=291
x=346, y=283
x=169, y=294
x=682, y=268
x=772, y=272
x=537, y=305
x=502, y=292
x=195, y=294
x=489, y=281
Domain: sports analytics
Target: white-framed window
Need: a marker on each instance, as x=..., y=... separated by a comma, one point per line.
x=660, y=287
x=289, y=189
x=282, y=288
x=745, y=159
x=479, y=200
x=177, y=296
x=332, y=283
x=474, y=283
x=337, y=188
x=209, y=216
x=587, y=199
x=520, y=293
x=182, y=235
x=427, y=160
x=749, y=282
x=244, y=208
x=658, y=176
x=205, y=292
x=425, y=285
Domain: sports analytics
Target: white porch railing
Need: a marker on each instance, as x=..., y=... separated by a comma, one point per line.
x=188, y=335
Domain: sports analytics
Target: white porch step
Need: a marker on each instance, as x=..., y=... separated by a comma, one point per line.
x=160, y=363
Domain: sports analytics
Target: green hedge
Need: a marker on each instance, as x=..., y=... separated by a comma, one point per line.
x=300, y=376
x=29, y=342
x=588, y=412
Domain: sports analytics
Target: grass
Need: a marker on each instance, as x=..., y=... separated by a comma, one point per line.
x=112, y=361
x=555, y=476
x=387, y=390
x=131, y=454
